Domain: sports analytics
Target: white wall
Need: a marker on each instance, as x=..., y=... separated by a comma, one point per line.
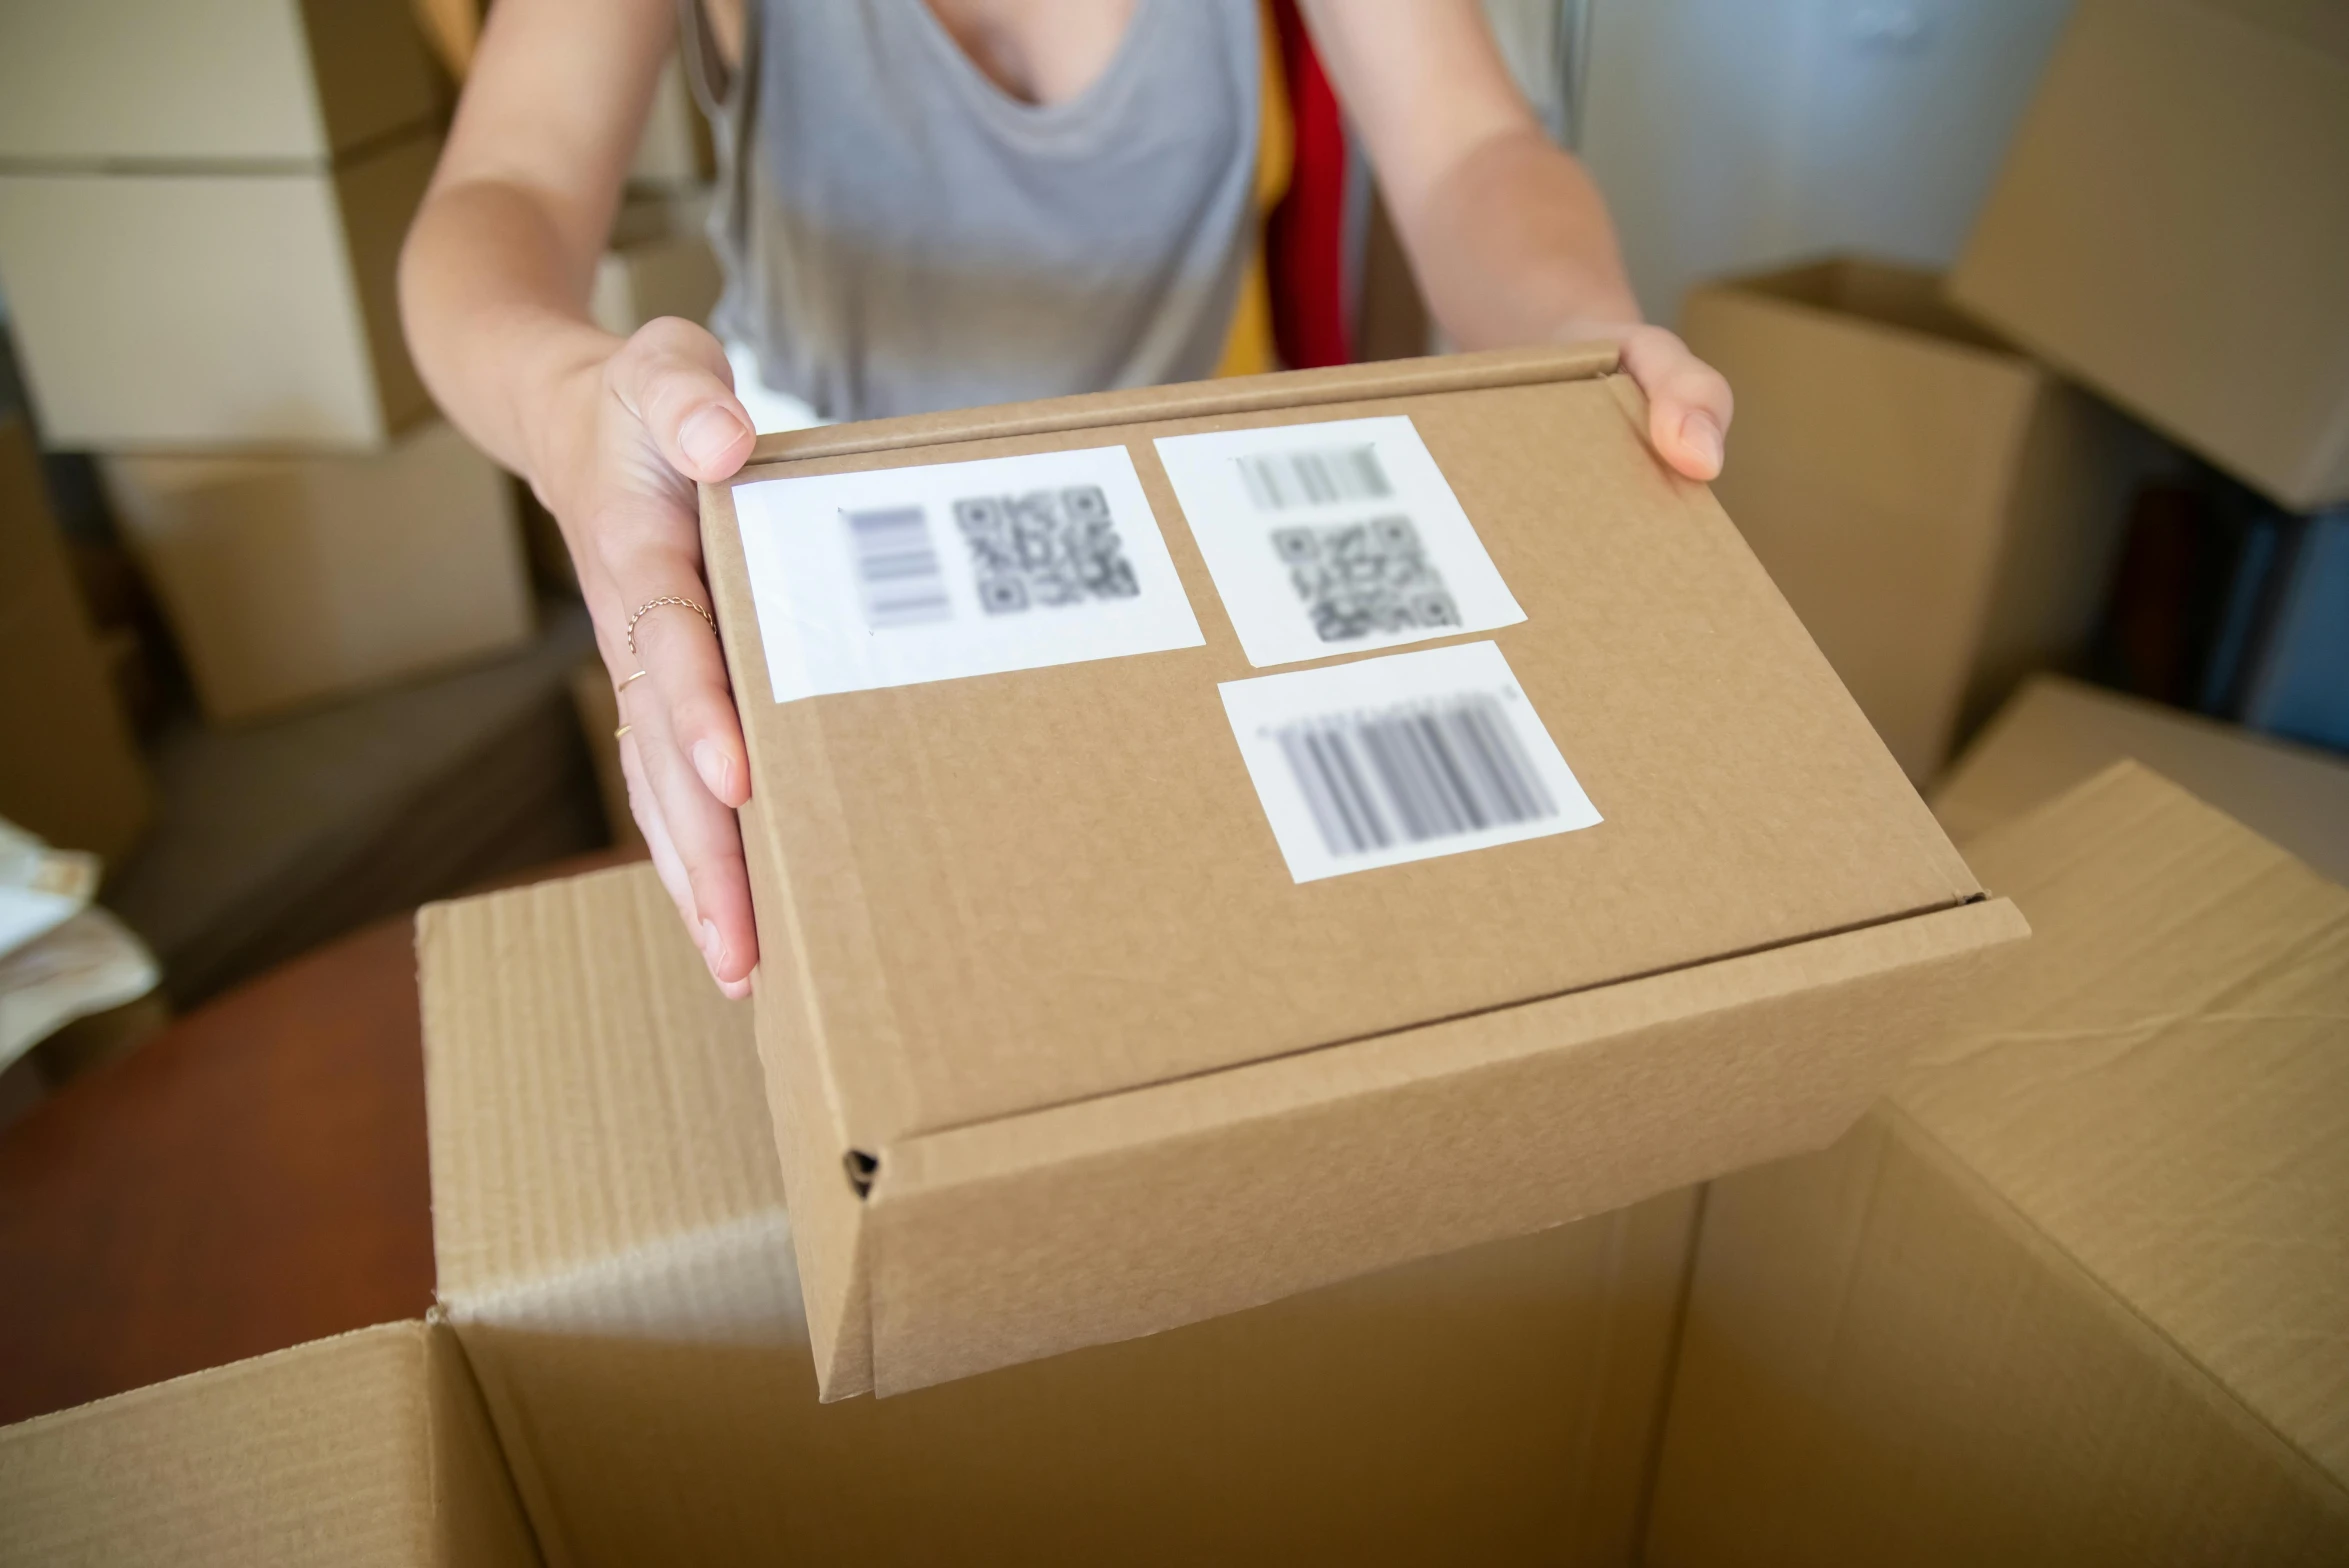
x=1732, y=134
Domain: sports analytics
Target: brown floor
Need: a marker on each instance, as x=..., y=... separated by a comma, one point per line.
x=253, y=1177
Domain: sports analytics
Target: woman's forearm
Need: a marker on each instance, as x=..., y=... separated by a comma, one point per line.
x=494, y=300
x=1513, y=245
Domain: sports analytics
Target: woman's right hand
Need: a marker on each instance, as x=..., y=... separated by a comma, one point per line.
x=624, y=435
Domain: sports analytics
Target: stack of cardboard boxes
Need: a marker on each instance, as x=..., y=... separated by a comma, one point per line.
x=1945, y=512
x=1140, y=1248
x=200, y=224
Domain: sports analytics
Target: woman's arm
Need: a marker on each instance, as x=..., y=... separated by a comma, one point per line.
x=1509, y=237
x=611, y=433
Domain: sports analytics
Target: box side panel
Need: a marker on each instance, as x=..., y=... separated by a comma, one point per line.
x=84, y=786
x=377, y=200
x=186, y=310
x=1500, y=1404
x=1137, y=1213
x=1881, y=1365
x=476, y=1516
x=2074, y=475
x=2169, y=226
x=370, y=74
x=1871, y=474
x=106, y=80
x=2058, y=733
x=320, y=1454
x=290, y=579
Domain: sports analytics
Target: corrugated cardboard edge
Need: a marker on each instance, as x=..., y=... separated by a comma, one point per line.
x=1185, y=400
x=240, y=1463
x=1124, y=1215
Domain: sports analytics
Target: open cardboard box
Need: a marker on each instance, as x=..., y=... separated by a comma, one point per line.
x=1061, y=1052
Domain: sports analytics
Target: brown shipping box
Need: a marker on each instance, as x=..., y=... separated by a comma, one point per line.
x=1058, y=1048
x=614, y=1251
x=291, y=579
x=1940, y=511
x=367, y=1449
x=71, y=771
x=2079, y=1292
x=116, y=82
x=2057, y=733
x=2171, y=226
x=248, y=307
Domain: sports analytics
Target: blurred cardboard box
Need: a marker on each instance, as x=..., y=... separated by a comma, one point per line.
x=598, y=706
x=71, y=772
x=659, y=264
x=1940, y=511
x=2056, y=733
x=614, y=1251
x=291, y=579
x=2079, y=1292
x=221, y=81
x=675, y=150
x=1064, y=1046
x=2171, y=223
x=243, y=307
x=369, y=1448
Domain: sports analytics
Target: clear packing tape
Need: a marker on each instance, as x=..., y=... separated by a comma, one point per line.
x=61, y=957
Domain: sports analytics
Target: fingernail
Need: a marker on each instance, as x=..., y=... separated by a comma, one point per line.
x=714, y=766
x=709, y=435
x=1702, y=432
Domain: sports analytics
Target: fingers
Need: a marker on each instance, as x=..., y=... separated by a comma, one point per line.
x=673, y=376
x=1689, y=403
x=667, y=863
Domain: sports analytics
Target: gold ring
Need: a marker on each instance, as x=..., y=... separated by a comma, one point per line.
x=651, y=605
x=630, y=681
x=622, y=730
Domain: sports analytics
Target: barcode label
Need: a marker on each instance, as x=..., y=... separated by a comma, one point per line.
x=1340, y=535
x=1402, y=758
x=937, y=571
x=1413, y=774
x=897, y=571
x=1280, y=481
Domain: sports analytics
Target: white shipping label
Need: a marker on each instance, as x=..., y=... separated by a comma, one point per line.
x=1408, y=757
x=1334, y=538
x=902, y=575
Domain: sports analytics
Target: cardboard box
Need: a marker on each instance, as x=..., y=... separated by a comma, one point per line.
x=659, y=264
x=72, y=773
x=2078, y=1293
x=188, y=309
x=369, y=1448
x=2057, y=733
x=1059, y=1050
x=166, y=81
x=1940, y=511
x=614, y=1251
x=291, y=579
x=2170, y=227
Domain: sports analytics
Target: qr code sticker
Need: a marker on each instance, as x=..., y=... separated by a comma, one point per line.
x=1359, y=578
x=1047, y=547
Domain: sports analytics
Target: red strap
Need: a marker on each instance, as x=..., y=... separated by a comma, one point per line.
x=1305, y=240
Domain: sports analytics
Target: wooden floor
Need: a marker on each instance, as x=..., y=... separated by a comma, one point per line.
x=251, y=1178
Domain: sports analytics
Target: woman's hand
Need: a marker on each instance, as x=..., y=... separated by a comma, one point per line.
x=1689, y=404
x=625, y=436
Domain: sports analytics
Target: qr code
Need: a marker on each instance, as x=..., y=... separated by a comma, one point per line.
x=1044, y=547
x=1361, y=578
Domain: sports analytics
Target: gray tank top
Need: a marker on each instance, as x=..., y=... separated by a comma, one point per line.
x=901, y=235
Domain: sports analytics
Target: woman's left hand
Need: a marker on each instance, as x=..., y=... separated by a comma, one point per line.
x=1689, y=404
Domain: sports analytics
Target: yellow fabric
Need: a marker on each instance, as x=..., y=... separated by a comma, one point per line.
x=1248, y=346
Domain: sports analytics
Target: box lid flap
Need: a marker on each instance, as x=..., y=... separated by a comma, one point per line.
x=1013, y=891
x=2159, y=1084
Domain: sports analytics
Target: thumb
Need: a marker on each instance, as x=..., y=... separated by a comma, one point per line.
x=673, y=376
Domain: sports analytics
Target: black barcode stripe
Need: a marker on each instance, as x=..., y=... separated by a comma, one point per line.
x=1277, y=481
x=897, y=567
x=1416, y=774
